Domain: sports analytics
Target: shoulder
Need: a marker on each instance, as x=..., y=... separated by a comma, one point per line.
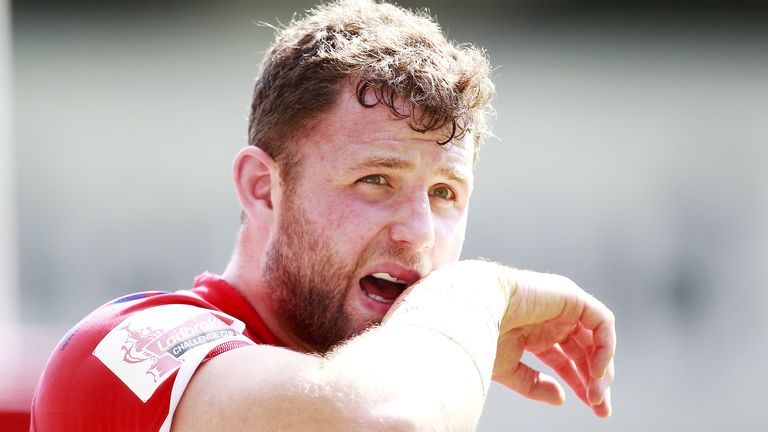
x=133, y=349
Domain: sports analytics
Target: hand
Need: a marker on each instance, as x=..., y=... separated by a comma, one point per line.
x=567, y=329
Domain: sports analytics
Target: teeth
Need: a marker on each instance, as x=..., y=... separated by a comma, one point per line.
x=379, y=298
x=388, y=277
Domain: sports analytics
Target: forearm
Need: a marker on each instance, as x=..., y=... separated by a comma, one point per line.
x=427, y=367
x=429, y=364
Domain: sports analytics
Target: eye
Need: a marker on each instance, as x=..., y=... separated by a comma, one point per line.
x=443, y=192
x=375, y=179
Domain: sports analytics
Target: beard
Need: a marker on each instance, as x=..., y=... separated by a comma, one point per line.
x=310, y=280
x=308, y=286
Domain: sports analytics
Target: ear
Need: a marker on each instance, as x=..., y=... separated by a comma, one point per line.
x=256, y=180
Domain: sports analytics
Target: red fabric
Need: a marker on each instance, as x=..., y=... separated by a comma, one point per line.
x=78, y=392
x=217, y=291
x=14, y=421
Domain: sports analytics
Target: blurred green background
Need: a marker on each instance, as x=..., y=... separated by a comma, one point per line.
x=631, y=155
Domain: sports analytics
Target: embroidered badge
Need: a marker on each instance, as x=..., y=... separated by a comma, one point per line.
x=148, y=346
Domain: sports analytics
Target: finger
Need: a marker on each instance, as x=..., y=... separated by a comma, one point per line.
x=583, y=337
x=580, y=347
x=597, y=389
x=556, y=359
x=605, y=408
x=598, y=318
x=533, y=384
x=579, y=355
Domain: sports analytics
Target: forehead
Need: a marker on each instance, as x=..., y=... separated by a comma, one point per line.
x=349, y=131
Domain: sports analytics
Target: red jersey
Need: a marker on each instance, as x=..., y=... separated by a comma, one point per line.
x=125, y=366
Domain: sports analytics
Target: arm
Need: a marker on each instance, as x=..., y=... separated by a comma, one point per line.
x=427, y=367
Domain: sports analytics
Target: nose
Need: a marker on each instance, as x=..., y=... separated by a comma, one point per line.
x=414, y=223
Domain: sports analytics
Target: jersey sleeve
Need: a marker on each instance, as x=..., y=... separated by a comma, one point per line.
x=125, y=367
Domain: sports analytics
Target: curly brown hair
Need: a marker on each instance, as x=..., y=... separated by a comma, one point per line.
x=397, y=54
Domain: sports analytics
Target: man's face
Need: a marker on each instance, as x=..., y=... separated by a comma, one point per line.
x=374, y=207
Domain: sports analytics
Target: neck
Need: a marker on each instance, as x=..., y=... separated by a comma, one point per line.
x=245, y=272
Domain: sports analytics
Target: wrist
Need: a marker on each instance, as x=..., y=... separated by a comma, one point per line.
x=464, y=302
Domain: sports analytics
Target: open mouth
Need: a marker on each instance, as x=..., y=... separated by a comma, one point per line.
x=383, y=287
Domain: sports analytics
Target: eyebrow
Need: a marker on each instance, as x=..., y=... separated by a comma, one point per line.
x=453, y=174
x=382, y=162
x=396, y=163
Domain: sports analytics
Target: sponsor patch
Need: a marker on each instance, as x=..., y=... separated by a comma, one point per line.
x=148, y=346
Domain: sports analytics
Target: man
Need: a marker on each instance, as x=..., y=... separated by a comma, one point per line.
x=344, y=306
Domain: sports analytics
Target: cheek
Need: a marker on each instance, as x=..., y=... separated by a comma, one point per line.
x=346, y=222
x=449, y=237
